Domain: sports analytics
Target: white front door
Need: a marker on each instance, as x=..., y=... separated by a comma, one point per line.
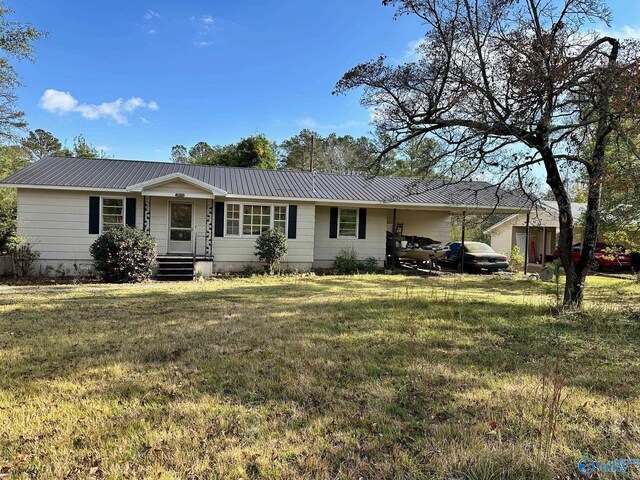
x=180, y=227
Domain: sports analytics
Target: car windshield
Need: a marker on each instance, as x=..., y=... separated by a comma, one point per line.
x=478, y=248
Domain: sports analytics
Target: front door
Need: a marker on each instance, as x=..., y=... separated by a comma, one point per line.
x=180, y=227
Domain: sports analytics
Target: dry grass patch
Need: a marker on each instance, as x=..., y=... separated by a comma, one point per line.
x=329, y=377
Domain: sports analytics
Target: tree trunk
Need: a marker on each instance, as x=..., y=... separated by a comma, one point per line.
x=574, y=279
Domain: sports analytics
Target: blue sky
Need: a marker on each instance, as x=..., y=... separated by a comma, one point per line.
x=138, y=77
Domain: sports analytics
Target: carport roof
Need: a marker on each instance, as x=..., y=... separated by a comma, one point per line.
x=121, y=175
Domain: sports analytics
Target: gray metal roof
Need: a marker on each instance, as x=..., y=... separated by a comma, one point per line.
x=577, y=208
x=120, y=174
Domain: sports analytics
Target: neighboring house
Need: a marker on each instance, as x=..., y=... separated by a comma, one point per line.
x=212, y=215
x=543, y=231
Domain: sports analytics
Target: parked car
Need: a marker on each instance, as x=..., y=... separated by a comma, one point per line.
x=477, y=256
x=606, y=256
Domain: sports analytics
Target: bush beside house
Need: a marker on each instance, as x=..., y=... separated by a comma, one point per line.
x=347, y=263
x=124, y=254
x=271, y=248
x=23, y=255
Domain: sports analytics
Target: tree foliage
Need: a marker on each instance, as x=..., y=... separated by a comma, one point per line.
x=40, y=143
x=16, y=42
x=620, y=203
x=505, y=86
x=81, y=148
x=255, y=151
x=12, y=159
x=349, y=155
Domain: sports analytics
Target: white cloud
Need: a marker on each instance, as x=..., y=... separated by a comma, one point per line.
x=312, y=124
x=56, y=101
x=144, y=120
x=103, y=148
x=205, y=27
x=150, y=15
x=151, y=31
x=625, y=31
x=207, y=21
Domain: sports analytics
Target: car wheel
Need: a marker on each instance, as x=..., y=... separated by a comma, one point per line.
x=595, y=265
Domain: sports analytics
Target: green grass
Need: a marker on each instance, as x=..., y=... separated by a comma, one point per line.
x=314, y=377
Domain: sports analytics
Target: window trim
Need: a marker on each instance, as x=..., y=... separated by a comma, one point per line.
x=226, y=211
x=124, y=209
x=350, y=237
x=241, y=220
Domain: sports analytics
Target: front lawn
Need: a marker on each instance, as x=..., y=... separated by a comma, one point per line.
x=316, y=377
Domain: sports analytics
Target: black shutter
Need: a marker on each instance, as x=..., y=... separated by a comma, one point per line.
x=130, y=212
x=362, y=223
x=333, y=223
x=94, y=215
x=218, y=229
x=293, y=221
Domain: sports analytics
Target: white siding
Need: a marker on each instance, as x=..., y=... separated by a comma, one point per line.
x=326, y=249
x=176, y=187
x=56, y=223
x=435, y=224
x=159, y=221
x=502, y=239
x=233, y=253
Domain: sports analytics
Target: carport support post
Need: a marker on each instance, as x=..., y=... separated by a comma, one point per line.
x=464, y=224
x=393, y=240
x=526, y=246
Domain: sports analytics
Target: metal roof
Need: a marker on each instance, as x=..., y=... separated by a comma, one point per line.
x=52, y=172
x=577, y=208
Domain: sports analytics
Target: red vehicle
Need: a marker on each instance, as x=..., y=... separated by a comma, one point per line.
x=605, y=256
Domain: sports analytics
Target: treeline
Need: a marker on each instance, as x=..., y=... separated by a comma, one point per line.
x=40, y=143
x=331, y=154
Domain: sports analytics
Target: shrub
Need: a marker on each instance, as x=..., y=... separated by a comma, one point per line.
x=23, y=255
x=347, y=263
x=516, y=261
x=249, y=270
x=124, y=254
x=368, y=265
x=271, y=248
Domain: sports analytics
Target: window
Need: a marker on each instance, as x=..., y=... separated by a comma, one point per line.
x=112, y=213
x=233, y=219
x=251, y=220
x=280, y=217
x=348, y=222
x=256, y=219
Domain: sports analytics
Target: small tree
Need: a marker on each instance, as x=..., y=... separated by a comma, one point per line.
x=517, y=259
x=23, y=255
x=555, y=268
x=124, y=254
x=271, y=248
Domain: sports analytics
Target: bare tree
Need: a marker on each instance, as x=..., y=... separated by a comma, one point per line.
x=16, y=42
x=506, y=85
